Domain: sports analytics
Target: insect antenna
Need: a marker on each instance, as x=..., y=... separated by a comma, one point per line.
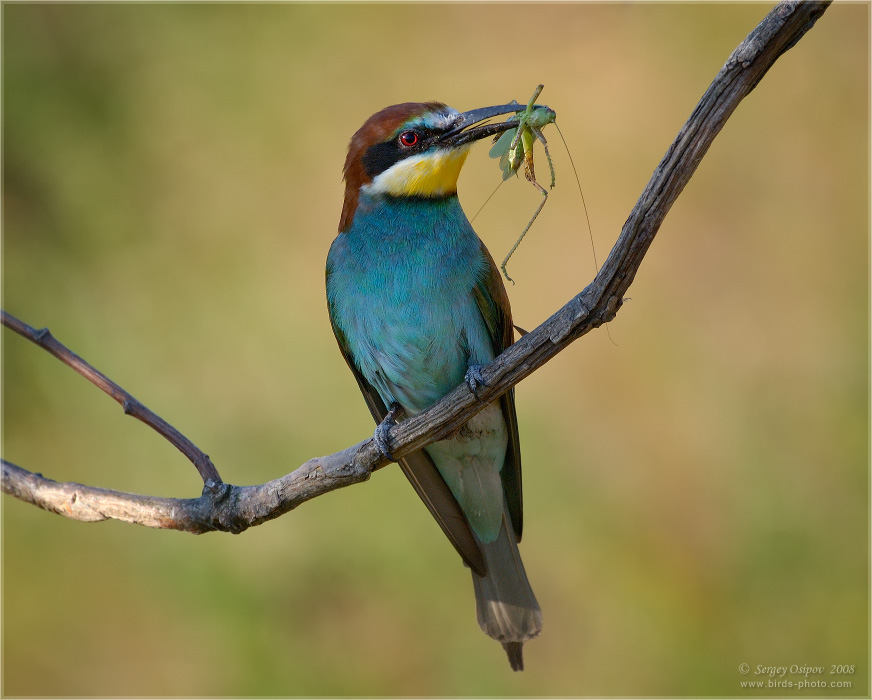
x=484, y=204
x=586, y=215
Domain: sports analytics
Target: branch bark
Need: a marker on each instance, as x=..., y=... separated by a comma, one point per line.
x=131, y=406
x=231, y=508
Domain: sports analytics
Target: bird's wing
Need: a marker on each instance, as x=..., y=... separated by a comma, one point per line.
x=493, y=303
x=424, y=477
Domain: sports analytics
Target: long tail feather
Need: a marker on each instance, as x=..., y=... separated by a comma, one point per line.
x=506, y=606
x=515, y=652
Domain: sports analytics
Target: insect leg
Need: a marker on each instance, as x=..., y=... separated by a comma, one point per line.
x=541, y=137
x=527, y=227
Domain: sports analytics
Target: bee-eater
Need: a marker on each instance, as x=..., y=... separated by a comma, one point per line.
x=418, y=306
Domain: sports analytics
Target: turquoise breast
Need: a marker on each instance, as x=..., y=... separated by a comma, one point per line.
x=399, y=286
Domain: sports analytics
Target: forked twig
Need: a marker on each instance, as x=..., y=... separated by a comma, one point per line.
x=131, y=406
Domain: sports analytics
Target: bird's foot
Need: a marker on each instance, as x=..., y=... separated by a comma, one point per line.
x=474, y=379
x=382, y=433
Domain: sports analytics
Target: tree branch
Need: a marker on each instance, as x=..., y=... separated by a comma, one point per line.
x=235, y=508
x=131, y=406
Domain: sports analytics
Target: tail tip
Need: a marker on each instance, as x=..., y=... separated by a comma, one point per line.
x=515, y=652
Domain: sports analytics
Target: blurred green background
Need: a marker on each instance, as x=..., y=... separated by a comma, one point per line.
x=696, y=493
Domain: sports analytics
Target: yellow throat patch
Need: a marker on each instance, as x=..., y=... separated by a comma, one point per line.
x=431, y=174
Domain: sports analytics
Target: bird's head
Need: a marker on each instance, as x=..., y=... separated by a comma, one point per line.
x=413, y=149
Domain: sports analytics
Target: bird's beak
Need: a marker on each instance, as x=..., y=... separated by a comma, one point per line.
x=462, y=133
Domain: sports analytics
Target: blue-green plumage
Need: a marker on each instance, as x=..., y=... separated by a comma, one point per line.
x=416, y=301
x=401, y=290
x=399, y=286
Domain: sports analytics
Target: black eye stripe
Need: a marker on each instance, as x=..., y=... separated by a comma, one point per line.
x=382, y=156
x=423, y=132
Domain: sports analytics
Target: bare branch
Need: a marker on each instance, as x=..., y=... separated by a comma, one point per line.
x=221, y=507
x=235, y=508
x=131, y=406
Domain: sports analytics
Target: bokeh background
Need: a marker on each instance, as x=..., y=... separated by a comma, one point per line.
x=696, y=492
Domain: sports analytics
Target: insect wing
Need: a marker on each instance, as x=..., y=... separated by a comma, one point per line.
x=501, y=145
x=511, y=161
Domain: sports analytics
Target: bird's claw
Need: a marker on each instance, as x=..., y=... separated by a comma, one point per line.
x=474, y=378
x=382, y=434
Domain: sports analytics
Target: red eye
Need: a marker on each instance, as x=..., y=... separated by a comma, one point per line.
x=409, y=138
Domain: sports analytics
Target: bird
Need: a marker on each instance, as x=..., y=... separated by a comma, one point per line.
x=417, y=306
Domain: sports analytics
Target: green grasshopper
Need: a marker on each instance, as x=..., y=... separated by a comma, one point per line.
x=515, y=146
